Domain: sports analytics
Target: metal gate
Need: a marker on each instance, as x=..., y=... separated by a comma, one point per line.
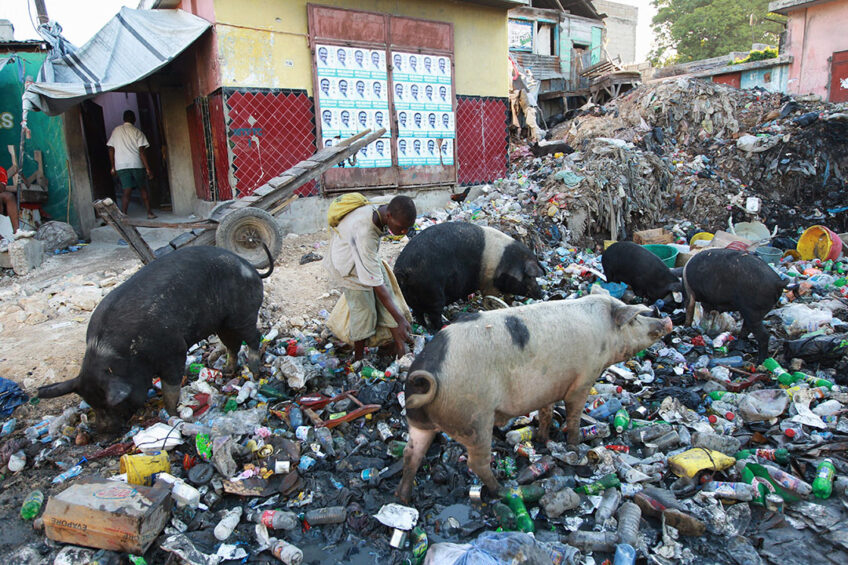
x=373, y=70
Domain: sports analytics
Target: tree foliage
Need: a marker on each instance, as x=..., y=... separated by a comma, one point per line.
x=700, y=29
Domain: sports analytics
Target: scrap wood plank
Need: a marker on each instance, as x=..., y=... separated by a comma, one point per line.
x=107, y=210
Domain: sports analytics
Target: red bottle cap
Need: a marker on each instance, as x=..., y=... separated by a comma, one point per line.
x=712, y=418
x=730, y=416
x=790, y=433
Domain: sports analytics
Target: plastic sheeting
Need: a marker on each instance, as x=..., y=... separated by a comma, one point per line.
x=133, y=45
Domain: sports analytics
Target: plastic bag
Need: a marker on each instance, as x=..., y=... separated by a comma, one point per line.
x=800, y=319
x=817, y=348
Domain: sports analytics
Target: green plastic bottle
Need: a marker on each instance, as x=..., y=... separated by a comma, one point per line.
x=420, y=545
x=195, y=368
x=527, y=493
x=505, y=515
x=775, y=369
x=779, y=455
x=32, y=504
x=621, y=421
x=369, y=373
x=231, y=404
x=812, y=381
x=608, y=481
x=522, y=518
x=823, y=483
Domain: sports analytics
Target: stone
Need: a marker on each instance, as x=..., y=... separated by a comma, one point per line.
x=26, y=255
x=56, y=235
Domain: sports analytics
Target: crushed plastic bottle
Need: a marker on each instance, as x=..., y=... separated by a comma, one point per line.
x=629, y=515
x=228, y=523
x=610, y=501
x=32, y=505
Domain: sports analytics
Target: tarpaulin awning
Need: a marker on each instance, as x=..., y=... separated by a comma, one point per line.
x=133, y=45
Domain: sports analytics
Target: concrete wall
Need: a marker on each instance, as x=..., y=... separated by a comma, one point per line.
x=180, y=173
x=47, y=137
x=621, y=29
x=813, y=35
x=773, y=79
x=265, y=43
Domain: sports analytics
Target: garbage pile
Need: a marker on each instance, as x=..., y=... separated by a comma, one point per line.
x=722, y=145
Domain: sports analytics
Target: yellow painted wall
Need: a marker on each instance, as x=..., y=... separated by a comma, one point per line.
x=263, y=43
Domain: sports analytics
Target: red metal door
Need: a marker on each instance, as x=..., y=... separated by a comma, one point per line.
x=839, y=77
x=730, y=79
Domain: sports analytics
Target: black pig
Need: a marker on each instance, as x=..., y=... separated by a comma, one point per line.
x=144, y=327
x=727, y=280
x=643, y=271
x=449, y=261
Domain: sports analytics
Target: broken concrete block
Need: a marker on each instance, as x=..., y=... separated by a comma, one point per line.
x=26, y=254
x=56, y=235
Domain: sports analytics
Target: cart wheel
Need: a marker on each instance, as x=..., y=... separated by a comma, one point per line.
x=243, y=231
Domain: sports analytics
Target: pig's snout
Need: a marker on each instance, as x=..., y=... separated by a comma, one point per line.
x=667, y=326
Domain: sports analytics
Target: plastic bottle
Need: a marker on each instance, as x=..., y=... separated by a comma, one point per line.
x=607, y=410
x=228, y=523
x=522, y=519
x=724, y=396
x=69, y=474
x=609, y=504
x=420, y=545
x=787, y=481
x=607, y=388
x=329, y=515
x=629, y=515
x=823, y=483
x=558, y=482
x=792, y=430
x=535, y=470
x=325, y=439
x=773, y=367
x=733, y=491
x=8, y=427
x=813, y=381
x=276, y=519
x=600, y=430
x=725, y=444
x=248, y=390
x=608, y=481
x=527, y=493
x=779, y=455
x=370, y=373
x=621, y=420
x=648, y=433
x=514, y=437
x=593, y=541
x=505, y=516
x=32, y=505
x=295, y=416
x=286, y=552
x=559, y=502
x=625, y=554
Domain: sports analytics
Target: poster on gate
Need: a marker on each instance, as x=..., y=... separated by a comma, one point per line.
x=351, y=96
x=423, y=101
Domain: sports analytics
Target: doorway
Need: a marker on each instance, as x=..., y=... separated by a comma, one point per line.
x=100, y=116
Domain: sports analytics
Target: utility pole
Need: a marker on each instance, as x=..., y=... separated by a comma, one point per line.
x=42, y=12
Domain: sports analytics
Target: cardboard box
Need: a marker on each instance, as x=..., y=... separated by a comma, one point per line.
x=656, y=236
x=110, y=515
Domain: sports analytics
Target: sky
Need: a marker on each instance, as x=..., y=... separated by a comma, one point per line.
x=81, y=19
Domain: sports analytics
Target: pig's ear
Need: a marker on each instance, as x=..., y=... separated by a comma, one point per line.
x=533, y=268
x=117, y=392
x=622, y=314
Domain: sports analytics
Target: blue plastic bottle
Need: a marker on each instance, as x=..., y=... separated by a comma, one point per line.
x=624, y=554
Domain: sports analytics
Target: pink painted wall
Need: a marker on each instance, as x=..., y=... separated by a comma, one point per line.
x=813, y=35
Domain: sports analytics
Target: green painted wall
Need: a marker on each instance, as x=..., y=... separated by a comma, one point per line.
x=597, y=39
x=47, y=136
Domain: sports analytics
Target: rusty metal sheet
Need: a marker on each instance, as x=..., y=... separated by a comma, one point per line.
x=839, y=77
x=346, y=25
x=338, y=179
x=410, y=33
x=427, y=175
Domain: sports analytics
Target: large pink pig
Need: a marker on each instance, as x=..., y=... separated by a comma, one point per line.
x=489, y=367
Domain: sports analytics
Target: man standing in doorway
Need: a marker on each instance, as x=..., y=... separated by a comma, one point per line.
x=126, y=153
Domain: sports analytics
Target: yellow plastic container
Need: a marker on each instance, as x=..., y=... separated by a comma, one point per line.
x=140, y=468
x=700, y=236
x=819, y=242
x=693, y=461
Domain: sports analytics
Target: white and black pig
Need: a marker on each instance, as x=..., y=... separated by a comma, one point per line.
x=727, y=280
x=644, y=272
x=144, y=326
x=489, y=367
x=449, y=261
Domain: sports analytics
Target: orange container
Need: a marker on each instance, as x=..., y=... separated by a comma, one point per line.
x=819, y=242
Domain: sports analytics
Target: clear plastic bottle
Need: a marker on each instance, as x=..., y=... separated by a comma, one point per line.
x=593, y=541
x=329, y=515
x=724, y=444
x=276, y=519
x=733, y=491
x=629, y=515
x=535, y=470
x=286, y=552
x=625, y=554
x=32, y=505
x=228, y=523
x=609, y=504
x=559, y=502
x=325, y=438
x=514, y=437
x=599, y=430
x=607, y=410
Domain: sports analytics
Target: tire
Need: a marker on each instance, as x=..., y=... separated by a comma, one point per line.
x=244, y=230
